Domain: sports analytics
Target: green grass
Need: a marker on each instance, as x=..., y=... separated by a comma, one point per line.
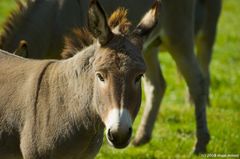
x=5, y=7
x=174, y=133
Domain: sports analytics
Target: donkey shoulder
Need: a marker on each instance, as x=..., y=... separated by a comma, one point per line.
x=20, y=77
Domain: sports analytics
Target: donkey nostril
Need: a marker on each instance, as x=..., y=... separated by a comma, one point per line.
x=130, y=132
x=110, y=136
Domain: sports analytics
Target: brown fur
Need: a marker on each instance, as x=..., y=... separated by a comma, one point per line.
x=119, y=19
x=75, y=41
x=80, y=38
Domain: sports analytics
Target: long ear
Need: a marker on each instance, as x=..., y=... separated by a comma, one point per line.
x=148, y=21
x=22, y=49
x=97, y=23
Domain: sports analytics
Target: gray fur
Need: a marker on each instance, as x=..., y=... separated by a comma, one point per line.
x=35, y=106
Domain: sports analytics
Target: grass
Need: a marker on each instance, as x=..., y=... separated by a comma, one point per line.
x=5, y=7
x=174, y=133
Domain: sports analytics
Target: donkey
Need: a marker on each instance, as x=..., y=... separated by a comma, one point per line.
x=59, y=108
x=175, y=33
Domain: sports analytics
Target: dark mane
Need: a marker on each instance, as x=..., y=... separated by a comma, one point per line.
x=80, y=38
x=16, y=19
x=76, y=41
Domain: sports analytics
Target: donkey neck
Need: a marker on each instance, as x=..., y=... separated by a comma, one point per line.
x=70, y=87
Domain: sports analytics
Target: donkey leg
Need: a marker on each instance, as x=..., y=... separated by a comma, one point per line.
x=204, y=55
x=206, y=37
x=178, y=37
x=189, y=67
x=154, y=86
x=27, y=146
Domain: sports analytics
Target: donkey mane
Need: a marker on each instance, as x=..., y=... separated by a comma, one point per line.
x=119, y=19
x=80, y=38
x=16, y=19
x=76, y=41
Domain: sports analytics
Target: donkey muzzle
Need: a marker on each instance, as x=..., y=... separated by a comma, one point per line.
x=118, y=128
x=119, y=138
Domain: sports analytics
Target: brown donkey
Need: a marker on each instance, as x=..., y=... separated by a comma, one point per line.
x=45, y=27
x=59, y=108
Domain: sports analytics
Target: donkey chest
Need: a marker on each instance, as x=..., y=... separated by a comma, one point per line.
x=83, y=144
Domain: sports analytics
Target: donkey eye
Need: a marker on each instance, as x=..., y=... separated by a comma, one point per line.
x=100, y=77
x=138, y=78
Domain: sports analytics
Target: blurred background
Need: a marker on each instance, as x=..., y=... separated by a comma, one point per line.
x=174, y=132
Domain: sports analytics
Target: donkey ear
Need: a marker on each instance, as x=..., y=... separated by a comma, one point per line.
x=148, y=21
x=22, y=49
x=97, y=23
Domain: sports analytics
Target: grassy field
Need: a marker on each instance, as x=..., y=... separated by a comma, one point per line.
x=174, y=133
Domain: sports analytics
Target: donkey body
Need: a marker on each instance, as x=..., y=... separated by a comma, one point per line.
x=39, y=116
x=175, y=32
x=59, y=108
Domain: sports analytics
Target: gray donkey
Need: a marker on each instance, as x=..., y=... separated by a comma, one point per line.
x=59, y=108
x=44, y=23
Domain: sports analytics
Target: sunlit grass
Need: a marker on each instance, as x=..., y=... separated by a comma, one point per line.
x=5, y=7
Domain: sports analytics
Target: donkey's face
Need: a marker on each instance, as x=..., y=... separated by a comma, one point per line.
x=118, y=67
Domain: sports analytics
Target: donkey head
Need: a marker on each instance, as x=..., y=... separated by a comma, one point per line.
x=118, y=67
